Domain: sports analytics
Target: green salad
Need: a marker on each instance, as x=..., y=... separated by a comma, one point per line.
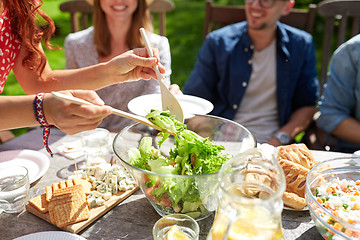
x=191, y=155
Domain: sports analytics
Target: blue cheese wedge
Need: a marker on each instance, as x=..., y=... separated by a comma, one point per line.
x=91, y=201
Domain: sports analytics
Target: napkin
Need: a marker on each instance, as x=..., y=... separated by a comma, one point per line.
x=71, y=150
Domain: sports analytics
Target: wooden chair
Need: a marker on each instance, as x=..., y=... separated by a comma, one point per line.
x=76, y=7
x=337, y=13
x=161, y=7
x=220, y=16
x=84, y=8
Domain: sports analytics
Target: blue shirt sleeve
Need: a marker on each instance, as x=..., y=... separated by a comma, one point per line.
x=341, y=92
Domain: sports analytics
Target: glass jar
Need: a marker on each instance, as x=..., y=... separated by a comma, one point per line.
x=250, y=198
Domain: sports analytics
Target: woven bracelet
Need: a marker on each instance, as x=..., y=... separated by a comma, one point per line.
x=40, y=117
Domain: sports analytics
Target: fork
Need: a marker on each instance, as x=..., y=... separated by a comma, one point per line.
x=168, y=101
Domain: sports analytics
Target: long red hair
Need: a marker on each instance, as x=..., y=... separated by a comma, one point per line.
x=31, y=29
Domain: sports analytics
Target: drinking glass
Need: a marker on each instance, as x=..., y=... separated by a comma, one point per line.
x=250, y=198
x=14, y=188
x=96, y=144
x=185, y=223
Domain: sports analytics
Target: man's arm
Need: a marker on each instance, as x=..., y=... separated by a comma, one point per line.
x=339, y=101
x=349, y=130
x=299, y=121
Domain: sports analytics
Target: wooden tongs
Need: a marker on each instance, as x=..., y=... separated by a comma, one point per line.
x=168, y=101
x=115, y=111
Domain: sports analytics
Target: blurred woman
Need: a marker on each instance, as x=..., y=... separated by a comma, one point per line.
x=115, y=30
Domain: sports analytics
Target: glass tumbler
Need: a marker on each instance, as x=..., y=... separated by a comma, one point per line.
x=96, y=144
x=14, y=188
x=250, y=198
x=172, y=224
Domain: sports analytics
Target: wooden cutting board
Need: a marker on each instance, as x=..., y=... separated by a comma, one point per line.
x=95, y=213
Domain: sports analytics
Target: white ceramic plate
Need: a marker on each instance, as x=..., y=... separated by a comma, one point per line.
x=37, y=163
x=296, y=210
x=51, y=235
x=190, y=104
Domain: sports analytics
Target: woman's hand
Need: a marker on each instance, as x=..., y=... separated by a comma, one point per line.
x=135, y=64
x=73, y=118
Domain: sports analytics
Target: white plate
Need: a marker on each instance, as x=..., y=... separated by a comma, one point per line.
x=37, y=163
x=296, y=210
x=51, y=235
x=190, y=104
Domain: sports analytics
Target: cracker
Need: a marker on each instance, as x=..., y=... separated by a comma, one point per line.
x=71, y=212
x=69, y=182
x=55, y=186
x=40, y=203
x=73, y=189
x=68, y=206
x=48, y=190
x=84, y=183
x=62, y=184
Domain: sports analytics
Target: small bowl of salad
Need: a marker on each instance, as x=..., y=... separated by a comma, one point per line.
x=333, y=198
x=178, y=173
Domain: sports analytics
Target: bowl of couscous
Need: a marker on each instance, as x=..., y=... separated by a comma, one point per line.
x=333, y=198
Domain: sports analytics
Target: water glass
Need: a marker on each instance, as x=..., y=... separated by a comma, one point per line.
x=14, y=188
x=96, y=144
x=185, y=223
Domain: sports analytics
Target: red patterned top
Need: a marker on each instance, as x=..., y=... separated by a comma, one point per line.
x=9, y=47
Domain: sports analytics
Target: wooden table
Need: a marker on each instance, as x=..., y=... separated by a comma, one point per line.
x=132, y=218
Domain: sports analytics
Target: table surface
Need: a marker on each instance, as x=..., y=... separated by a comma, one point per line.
x=134, y=217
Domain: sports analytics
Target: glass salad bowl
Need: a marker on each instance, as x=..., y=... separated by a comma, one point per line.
x=194, y=195
x=332, y=195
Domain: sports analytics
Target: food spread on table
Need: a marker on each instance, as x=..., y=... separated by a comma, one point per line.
x=296, y=161
x=105, y=180
x=342, y=199
x=65, y=201
x=191, y=155
x=83, y=197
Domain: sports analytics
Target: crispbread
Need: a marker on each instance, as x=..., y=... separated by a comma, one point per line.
x=293, y=200
x=48, y=190
x=295, y=176
x=68, y=205
x=39, y=202
x=84, y=183
x=69, y=182
x=70, y=212
x=55, y=186
x=73, y=189
x=297, y=153
x=62, y=184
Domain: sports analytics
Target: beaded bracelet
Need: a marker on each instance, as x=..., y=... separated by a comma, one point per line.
x=40, y=117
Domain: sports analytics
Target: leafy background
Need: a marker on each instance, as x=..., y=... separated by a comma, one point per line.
x=184, y=29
